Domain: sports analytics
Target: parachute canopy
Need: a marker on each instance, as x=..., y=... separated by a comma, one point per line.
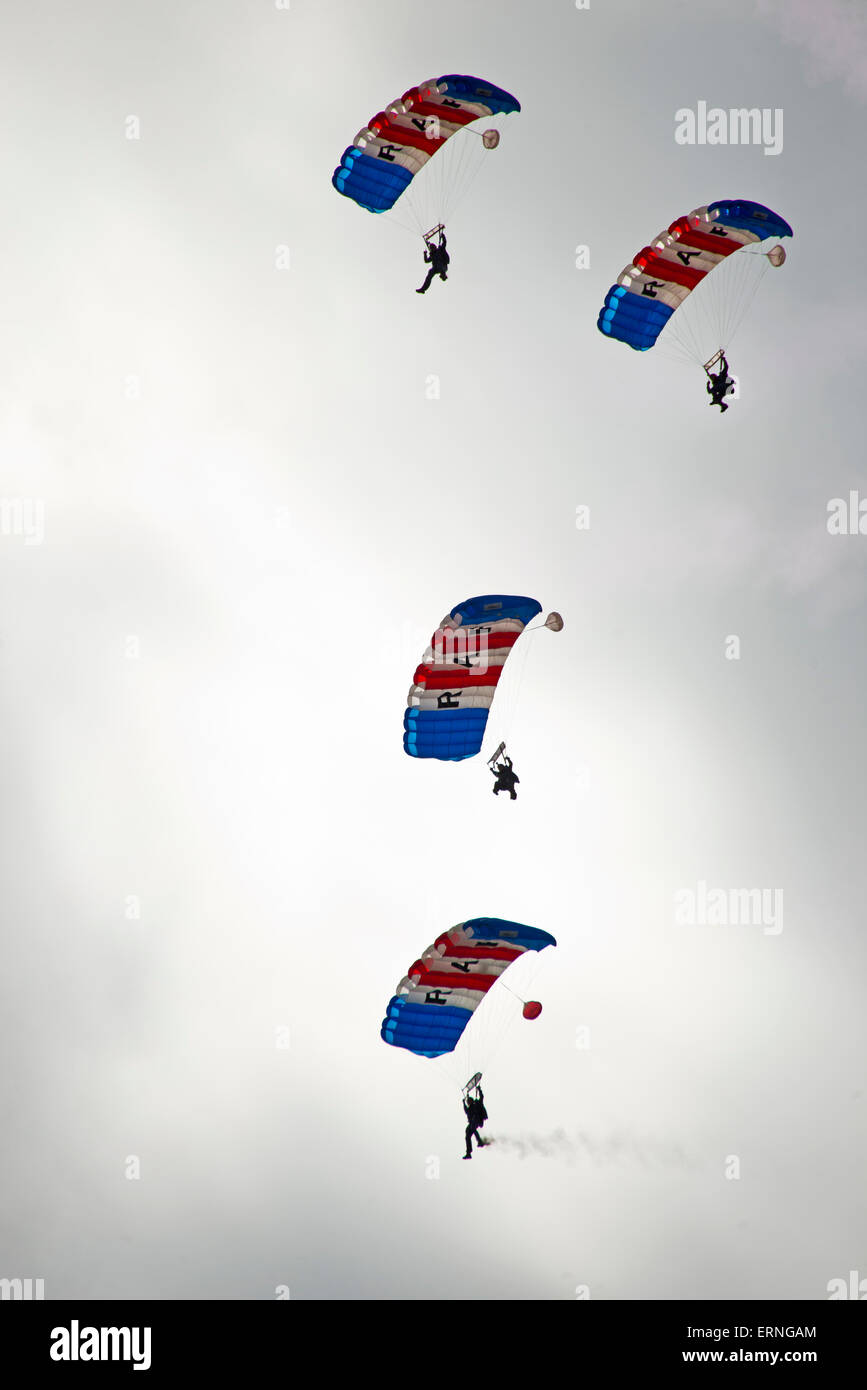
x=397, y=143
x=441, y=991
x=663, y=274
x=454, y=687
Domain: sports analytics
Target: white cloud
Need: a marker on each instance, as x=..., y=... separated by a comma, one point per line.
x=833, y=34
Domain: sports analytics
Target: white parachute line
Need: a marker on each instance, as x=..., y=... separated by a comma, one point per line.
x=504, y=718
x=460, y=174
x=512, y=992
x=680, y=334
x=445, y=1070
x=498, y=1028
x=407, y=218
x=493, y=1022
x=689, y=335
x=449, y=174
x=713, y=312
x=438, y=188
x=680, y=340
x=427, y=191
x=750, y=290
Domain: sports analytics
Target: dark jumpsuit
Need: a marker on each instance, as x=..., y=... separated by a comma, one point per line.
x=476, y=1115
x=437, y=257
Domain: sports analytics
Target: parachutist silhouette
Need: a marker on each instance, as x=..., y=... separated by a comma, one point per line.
x=437, y=257
x=476, y=1114
x=718, y=384
x=506, y=778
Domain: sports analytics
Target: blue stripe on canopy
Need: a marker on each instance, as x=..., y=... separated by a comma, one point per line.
x=501, y=103
x=633, y=319
x=750, y=217
x=448, y=734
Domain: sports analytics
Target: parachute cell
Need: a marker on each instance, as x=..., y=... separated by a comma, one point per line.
x=441, y=991
x=454, y=687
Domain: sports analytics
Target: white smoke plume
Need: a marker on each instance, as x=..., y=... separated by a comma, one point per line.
x=592, y=1150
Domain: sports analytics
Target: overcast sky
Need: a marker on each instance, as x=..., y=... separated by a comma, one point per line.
x=234, y=509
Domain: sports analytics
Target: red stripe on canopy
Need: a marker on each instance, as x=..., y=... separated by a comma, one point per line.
x=661, y=269
x=402, y=135
x=702, y=241
x=435, y=678
x=433, y=979
x=480, y=952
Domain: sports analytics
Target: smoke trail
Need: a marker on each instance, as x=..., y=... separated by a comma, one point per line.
x=586, y=1148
